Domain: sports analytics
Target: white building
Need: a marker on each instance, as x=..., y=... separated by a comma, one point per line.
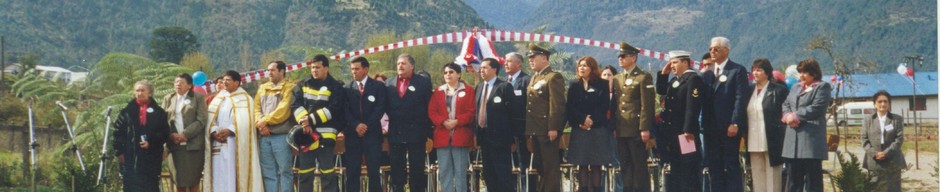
x=49, y=72
x=863, y=86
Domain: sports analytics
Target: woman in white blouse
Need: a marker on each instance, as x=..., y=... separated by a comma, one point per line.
x=765, y=131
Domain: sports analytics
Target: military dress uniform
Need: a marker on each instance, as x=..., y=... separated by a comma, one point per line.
x=545, y=111
x=633, y=111
x=321, y=102
x=683, y=104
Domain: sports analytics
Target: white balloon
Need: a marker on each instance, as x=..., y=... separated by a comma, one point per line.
x=792, y=72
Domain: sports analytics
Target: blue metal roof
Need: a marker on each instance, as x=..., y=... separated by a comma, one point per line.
x=865, y=85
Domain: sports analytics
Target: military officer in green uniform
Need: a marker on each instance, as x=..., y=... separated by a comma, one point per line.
x=683, y=105
x=545, y=114
x=633, y=112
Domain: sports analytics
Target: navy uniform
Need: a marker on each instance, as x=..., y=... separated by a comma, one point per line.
x=321, y=102
x=683, y=103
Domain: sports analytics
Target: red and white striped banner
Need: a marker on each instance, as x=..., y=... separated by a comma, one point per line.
x=494, y=35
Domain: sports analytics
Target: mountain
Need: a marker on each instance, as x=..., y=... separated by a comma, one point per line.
x=504, y=14
x=880, y=31
x=231, y=32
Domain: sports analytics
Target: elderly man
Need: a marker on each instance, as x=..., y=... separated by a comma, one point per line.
x=233, y=160
x=724, y=114
x=545, y=117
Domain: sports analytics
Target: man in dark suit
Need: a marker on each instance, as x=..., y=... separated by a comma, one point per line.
x=494, y=131
x=408, y=124
x=683, y=104
x=519, y=80
x=633, y=107
x=366, y=99
x=724, y=114
x=545, y=117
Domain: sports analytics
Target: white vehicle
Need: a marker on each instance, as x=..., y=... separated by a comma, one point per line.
x=853, y=113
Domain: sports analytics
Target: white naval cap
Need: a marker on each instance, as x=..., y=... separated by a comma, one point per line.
x=679, y=54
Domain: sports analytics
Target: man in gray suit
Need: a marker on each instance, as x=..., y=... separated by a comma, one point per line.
x=882, y=137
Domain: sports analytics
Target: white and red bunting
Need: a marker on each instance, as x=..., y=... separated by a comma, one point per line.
x=494, y=35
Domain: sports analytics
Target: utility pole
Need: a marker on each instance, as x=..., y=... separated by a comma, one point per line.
x=3, y=62
x=912, y=60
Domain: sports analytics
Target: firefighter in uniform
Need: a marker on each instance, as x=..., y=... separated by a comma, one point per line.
x=318, y=105
x=683, y=99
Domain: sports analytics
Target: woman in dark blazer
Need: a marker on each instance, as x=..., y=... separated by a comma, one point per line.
x=764, y=128
x=805, y=115
x=882, y=137
x=187, y=116
x=587, y=106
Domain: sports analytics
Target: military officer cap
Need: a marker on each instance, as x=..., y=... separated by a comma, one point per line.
x=627, y=49
x=679, y=54
x=536, y=50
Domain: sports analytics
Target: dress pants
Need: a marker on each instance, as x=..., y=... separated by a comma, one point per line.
x=805, y=175
x=497, y=167
x=547, y=152
x=414, y=155
x=724, y=167
x=356, y=149
x=631, y=151
x=766, y=178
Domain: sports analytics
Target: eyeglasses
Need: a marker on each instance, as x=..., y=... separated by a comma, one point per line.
x=715, y=48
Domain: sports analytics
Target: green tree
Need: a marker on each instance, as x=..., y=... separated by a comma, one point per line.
x=29, y=60
x=170, y=43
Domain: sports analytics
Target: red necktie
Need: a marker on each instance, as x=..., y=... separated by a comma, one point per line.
x=482, y=118
x=401, y=87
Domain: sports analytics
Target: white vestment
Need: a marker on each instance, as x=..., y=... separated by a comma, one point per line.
x=234, y=165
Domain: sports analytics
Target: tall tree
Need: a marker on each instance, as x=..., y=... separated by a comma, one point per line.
x=170, y=43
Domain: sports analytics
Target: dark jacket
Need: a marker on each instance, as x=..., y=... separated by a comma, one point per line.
x=499, y=114
x=322, y=103
x=139, y=162
x=595, y=101
x=726, y=101
x=408, y=120
x=773, y=111
x=367, y=108
x=519, y=99
x=683, y=98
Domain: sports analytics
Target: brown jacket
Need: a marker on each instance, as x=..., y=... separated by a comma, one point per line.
x=545, y=103
x=634, y=103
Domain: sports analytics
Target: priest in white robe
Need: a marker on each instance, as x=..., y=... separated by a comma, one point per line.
x=232, y=159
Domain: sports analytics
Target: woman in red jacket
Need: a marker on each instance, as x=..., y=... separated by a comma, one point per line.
x=451, y=110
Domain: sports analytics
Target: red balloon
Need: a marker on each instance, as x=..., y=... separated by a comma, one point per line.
x=199, y=89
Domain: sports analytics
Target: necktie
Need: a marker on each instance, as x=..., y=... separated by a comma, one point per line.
x=482, y=116
x=401, y=87
x=361, y=91
x=510, y=80
x=361, y=88
x=758, y=91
